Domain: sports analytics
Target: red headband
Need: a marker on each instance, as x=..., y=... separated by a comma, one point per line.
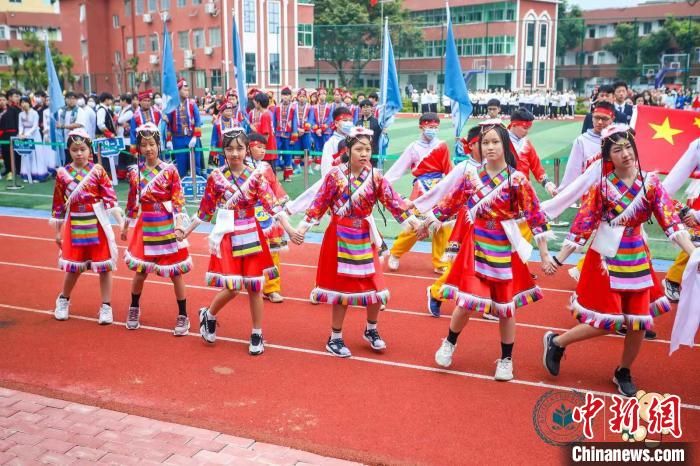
x=340, y=117
x=604, y=111
x=521, y=123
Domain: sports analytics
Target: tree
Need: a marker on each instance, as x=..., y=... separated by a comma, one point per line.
x=570, y=28
x=624, y=46
x=653, y=45
x=348, y=35
x=15, y=55
x=685, y=33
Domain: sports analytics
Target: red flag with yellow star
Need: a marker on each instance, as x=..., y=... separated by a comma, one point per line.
x=663, y=135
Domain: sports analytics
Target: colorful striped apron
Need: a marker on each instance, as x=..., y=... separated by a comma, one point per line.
x=492, y=250
x=245, y=239
x=83, y=226
x=158, y=230
x=355, y=254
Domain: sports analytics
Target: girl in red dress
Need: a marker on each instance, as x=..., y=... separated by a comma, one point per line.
x=156, y=204
x=349, y=272
x=490, y=274
x=82, y=199
x=617, y=285
x=240, y=255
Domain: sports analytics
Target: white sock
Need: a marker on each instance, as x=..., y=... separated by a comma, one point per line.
x=210, y=316
x=257, y=331
x=371, y=326
x=336, y=335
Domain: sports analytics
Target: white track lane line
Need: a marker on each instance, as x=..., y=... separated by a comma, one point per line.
x=160, y=281
x=383, y=362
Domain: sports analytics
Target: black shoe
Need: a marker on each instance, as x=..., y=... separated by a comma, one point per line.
x=257, y=345
x=207, y=327
x=551, y=356
x=623, y=380
x=337, y=347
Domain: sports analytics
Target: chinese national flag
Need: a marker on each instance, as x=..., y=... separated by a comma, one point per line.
x=663, y=135
x=373, y=2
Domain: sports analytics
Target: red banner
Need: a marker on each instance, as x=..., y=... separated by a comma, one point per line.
x=663, y=135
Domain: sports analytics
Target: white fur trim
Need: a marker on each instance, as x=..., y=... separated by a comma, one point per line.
x=329, y=296
x=160, y=270
x=238, y=282
x=593, y=318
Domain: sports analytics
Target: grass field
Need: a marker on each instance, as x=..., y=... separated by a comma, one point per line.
x=551, y=138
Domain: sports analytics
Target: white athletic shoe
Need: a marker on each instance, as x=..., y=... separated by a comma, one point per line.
x=105, y=316
x=489, y=316
x=443, y=357
x=504, y=370
x=132, y=318
x=574, y=273
x=62, y=310
x=393, y=263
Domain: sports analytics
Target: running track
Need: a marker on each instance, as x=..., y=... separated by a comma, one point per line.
x=395, y=407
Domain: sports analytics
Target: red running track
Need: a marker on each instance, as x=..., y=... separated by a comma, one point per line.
x=395, y=407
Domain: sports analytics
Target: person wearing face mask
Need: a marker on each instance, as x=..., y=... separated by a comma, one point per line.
x=70, y=117
x=90, y=116
x=40, y=106
x=428, y=158
x=367, y=120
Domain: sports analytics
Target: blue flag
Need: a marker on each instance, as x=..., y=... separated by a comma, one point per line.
x=171, y=96
x=455, y=86
x=239, y=71
x=56, y=102
x=390, y=98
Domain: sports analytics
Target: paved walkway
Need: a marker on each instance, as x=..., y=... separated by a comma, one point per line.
x=35, y=430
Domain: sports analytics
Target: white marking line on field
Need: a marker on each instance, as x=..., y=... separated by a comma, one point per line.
x=288, y=264
x=353, y=358
x=306, y=300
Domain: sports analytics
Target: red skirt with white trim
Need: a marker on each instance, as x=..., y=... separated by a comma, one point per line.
x=79, y=258
x=476, y=292
x=334, y=288
x=235, y=273
x=595, y=303
x=167, y=265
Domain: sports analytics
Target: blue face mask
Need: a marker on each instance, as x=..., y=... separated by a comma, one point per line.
x=430, y=133
x=345, y=126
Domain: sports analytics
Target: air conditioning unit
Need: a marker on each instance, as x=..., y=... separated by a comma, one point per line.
x=189, y=54
x=165, y=15
x=189, y=63
x=208, y=50
x=147, y=18
x=153, y=59
x=675, y=65
x=210, y=8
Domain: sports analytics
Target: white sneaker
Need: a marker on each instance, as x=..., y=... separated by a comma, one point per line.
x=489, y=316
x=273, y=297
x=62, y=310
x=132, y=318
x=312, y=299
x=105, y=316
x=504, y=369
x=443, y=357
x=574, y=273
x=393, y=263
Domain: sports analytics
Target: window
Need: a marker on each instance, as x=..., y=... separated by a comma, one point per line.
x=541, y=74
x=115, y=21
x=15, y=1
x=248, y=15
x=139, y=7
x=528, y=73
x=82, y=12
x=274, y=68
x=214, y=37
x=183, y=40
x=198, y=38
x=117, y=57
x=164, y=4
x=250, y=68
x=200, y=79
x=140, y=44
x=54, y=34
x=131, y=80
x=543, y=35
x=196, y=2
x=83, y=48
x=305, y=35
x=273, y=17
x=155, y=79
x=492, y=12
x=127, y=7
x=129, y=46
x=4, y=59
x=591, y=33
x=4, y=33
x=154, y=42
x=215, y=79
x=181, y=3
x=530, y=41
x=646, y=28
x=152, y=6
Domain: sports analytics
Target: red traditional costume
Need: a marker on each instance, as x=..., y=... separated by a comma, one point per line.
x=155, y=198
x=349, y=272
x=240, y=256
x=274, y=232
x=491, y=276
x=82, y=198
x=618, y=285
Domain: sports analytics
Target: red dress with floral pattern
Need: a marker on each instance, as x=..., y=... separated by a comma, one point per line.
x=621, y=288
x=349, y=271
x=487, y=274
x=240, y=255
x=80, y=198
x=155, y=199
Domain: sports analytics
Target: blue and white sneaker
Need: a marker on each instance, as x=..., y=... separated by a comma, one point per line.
x=433, y=304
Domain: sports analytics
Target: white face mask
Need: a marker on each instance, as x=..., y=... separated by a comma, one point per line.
x=345, y=126
x=430, y=133
x=91, y=104
x=81, y=102
x=39, y=100
x=158, y=101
